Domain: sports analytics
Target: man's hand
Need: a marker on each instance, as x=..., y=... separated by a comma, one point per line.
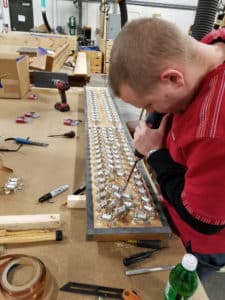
x=146, y=139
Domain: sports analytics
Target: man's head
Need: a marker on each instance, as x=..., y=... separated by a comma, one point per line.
x=148, y=65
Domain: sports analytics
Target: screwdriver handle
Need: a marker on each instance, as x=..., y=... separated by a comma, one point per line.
x=154, y=244
x=137, y=257
x=154, y=119
x=20, y=140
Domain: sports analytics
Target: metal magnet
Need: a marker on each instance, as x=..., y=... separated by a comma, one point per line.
x=139, y=183
x=101, y=205
x=142, y=191
x=149, y=208
x=100, y=180
x=112, y=204
x=119, y=211
x=107, y=172
x=99, y=173
x=145, y=199
x=117, y=195
x=101, y=188
x=115, y=187
x=106, y=217
x=98, y=167
x=126, y=196
x=140, y=216
x=100, y=195
x=128, y=204
x=137, y=176
x=120, y=173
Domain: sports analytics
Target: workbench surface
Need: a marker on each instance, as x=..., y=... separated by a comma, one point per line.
x=43, y=169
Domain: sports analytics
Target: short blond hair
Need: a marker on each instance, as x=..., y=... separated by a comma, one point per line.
x=141, y=51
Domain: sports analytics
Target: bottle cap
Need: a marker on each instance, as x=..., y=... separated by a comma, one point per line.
x=189, y=262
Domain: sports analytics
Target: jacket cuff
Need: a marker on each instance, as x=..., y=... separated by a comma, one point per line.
x=160, y=161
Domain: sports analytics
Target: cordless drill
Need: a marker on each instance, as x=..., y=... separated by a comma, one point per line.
x=62, y=87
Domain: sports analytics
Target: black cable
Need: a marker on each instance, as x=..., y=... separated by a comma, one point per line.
x=44, y=16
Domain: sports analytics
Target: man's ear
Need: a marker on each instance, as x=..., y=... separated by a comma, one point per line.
x=172, y=76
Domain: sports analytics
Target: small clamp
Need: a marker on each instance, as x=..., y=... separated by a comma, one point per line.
x=71, y=122
x=32, y=114
x=22, y=120
x=33, y=97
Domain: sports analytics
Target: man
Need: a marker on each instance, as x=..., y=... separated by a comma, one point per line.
x=157, y=67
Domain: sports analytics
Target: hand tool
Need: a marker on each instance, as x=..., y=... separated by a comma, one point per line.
x=154, y=244
x=62, y=87
x=53, y=193
x=138, y=257
x=154, y=119
x=147, y=270
x=71, y=122
x=69, y=134
x=26, y=141
x=100, y=291
x=79, y=190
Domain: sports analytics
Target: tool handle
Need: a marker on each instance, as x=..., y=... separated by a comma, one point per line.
x=130, y=295
x=154, y=244
x=137, y=257
x=20, y=140
x=154, y=119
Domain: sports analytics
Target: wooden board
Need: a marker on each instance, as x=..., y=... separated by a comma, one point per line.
x=27, y=39
x=113, y=214
x=61, y=47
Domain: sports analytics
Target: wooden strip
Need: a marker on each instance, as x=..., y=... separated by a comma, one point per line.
x=18, y=222
x=81, y=64
x=29, y=238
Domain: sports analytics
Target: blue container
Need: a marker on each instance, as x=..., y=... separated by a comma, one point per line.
x=93, y=48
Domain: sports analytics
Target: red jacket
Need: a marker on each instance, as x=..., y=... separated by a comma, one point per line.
x=197, y=141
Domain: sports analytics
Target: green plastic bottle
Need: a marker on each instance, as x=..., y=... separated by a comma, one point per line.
x=183, y=279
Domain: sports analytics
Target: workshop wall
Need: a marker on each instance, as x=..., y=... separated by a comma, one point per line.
x=59, y=11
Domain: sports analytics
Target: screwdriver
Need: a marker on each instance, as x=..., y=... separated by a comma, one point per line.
x=154, y=119
x=26, y=141
x=153, y=244
x=69, y=134
x=138, y=257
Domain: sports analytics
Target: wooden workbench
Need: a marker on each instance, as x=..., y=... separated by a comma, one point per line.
x=42, y=169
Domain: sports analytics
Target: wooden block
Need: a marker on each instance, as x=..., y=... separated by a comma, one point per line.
x=95, y=58
x=76, y=201
x=29, y=236
x=55, y=62
x=20, y=222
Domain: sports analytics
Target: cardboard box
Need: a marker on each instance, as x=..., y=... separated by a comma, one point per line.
x=14, y=76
